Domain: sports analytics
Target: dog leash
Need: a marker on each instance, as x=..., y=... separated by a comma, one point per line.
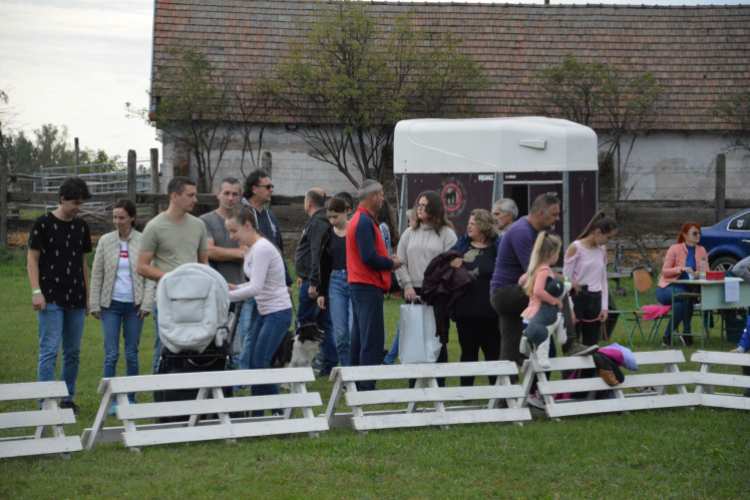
x=604, y=327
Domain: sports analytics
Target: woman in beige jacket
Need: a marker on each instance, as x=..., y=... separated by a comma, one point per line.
x=120, y=298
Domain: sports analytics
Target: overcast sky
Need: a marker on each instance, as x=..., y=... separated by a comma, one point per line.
x=77, y=62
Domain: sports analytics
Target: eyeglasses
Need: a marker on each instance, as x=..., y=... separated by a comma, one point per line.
x=422, y=206
x=695, y=233
x=267, y=186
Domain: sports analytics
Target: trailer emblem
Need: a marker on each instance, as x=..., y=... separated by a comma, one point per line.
x=453, y=193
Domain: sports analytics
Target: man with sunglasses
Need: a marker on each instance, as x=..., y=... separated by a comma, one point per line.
x=257, y=193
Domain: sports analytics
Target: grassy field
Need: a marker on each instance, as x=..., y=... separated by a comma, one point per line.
x=658, y=454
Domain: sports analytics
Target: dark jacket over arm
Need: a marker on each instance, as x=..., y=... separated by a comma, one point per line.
x=442, y=287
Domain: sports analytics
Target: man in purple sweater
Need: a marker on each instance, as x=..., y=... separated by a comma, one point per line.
x=507, y=297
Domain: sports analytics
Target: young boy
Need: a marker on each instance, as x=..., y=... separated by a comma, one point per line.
x=58, y=274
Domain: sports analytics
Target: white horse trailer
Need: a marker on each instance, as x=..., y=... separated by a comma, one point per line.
x=474, y=162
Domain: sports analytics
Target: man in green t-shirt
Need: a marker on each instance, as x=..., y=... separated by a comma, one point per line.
x=170, y=239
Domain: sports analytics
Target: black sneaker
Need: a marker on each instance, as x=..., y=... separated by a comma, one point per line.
x=72, y=406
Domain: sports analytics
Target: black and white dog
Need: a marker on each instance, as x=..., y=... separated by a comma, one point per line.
x=298, y=348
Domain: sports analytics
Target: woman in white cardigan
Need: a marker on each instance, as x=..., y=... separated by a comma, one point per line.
x=119, y=297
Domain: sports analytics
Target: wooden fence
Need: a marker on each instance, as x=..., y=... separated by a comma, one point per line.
x=287, y=208
x=638, y=217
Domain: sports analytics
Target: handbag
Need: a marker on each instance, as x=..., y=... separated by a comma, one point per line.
x=418, y=342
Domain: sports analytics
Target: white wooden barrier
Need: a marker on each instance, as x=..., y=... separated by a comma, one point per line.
x=426, y=390
x=50, y=416
x=225, y=427
x=707, y=380
x=648, y=400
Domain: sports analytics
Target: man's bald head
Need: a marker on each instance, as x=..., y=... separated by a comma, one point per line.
x=316, y=197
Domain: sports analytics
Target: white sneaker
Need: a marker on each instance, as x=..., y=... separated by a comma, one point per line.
x=536, y=401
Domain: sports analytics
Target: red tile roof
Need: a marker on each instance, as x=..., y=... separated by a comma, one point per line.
x=699, y=53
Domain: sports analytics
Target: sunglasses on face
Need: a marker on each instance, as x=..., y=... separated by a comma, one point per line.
x=267, y=186
x=695, y=233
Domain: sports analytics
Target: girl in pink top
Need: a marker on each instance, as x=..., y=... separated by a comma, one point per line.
x=586, y=264
x=545, y=253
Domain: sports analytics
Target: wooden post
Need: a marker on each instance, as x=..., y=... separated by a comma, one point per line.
x=76, y=153
x=131, y=175
x=155, y=179
x=3, y=204
x=721, y=187
x=266, y=162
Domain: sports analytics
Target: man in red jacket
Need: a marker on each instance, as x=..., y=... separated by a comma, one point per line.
x=369, y=275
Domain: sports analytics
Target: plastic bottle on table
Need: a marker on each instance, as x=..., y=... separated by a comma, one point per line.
x=703, y=269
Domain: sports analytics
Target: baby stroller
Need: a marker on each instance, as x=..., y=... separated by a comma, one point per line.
x=196, y=327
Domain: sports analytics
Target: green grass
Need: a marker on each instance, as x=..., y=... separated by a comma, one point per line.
x=659, y=454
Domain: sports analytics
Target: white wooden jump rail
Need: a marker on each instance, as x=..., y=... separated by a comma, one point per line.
x=671, y=376
x=207, y=383
x=707, y=380
x=49, y=416
x=426, y=390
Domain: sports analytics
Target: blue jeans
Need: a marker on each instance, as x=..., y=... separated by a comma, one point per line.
x=683, y=309
x=121, y=315
x=268, y=332
x=249, y=314
x=368, y=332
x=60, y=325
x=390, y=358
x=340, y=304
x=309, y=312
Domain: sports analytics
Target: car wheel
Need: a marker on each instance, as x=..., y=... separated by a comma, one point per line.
x=723, y=264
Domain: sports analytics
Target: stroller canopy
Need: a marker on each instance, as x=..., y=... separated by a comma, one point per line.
x=192, y=303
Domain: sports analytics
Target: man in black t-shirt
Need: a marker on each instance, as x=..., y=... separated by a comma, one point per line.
x=58, y=274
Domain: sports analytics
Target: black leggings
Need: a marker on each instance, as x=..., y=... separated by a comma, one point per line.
x=478, y=333
x=588, y=306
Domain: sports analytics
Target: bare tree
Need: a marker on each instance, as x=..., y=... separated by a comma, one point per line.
x=193, y=105
x=735, y=111
x=348, y=82
x=617, y=101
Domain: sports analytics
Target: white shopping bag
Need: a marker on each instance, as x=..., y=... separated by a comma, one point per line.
x=417, y=341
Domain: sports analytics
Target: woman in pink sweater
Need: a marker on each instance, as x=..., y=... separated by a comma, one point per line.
x=682, y=261
x=586, y=264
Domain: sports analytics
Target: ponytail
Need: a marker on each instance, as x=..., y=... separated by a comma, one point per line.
x=601, y=222
x=244, y=214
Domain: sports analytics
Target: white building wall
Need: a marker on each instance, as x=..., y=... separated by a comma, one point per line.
x=662, y=166
x=681, y=165
x=293, y=170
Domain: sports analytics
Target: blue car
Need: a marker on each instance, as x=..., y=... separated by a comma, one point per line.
x=727, y=242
